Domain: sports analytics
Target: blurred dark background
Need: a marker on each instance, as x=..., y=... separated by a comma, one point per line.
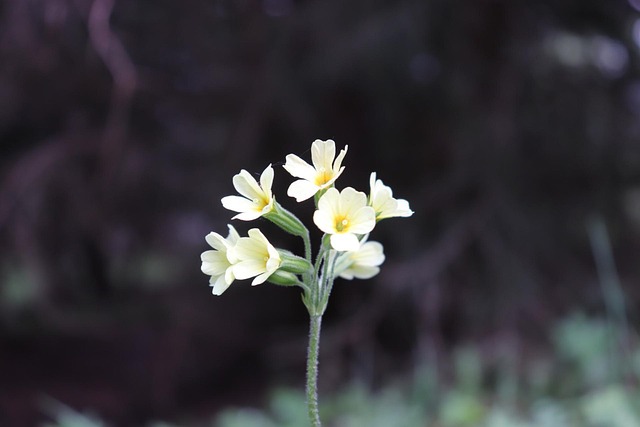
x=511, y=126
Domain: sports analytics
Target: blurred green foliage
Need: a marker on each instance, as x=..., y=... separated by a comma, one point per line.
x=66, y=416
x=579, y=392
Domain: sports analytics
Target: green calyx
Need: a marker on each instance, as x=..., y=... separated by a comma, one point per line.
x=283, y=278
x=286, y=221
x=294, y=264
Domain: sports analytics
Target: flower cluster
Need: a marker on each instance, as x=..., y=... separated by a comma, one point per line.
x=346, y=216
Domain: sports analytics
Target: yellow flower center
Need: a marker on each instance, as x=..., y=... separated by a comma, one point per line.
x=323, y=176
x=341, y=224
x=260, y=202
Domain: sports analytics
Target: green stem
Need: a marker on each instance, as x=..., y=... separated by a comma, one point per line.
x=328, y=280
x=307, y=255
x=312, y=369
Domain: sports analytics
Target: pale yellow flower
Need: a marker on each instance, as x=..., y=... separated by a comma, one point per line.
x=318, y=177
x=218, y=263
x=257, y=198
x=344, y=215
x=382, y=201
x=255, y=257
x=363, y=263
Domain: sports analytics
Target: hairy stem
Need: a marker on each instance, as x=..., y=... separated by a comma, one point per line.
x=312, y=369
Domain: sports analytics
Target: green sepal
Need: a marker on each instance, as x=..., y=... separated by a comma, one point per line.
x=283, y=278
x=286, y=221
x=293, y=263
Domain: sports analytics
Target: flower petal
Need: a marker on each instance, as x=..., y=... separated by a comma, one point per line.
x=261, y=278
x=216, y=241
x=302, y=190
x=363, y=220
x=220, y=286
x=372, y=182
x=345, y=242
x=233, y=235
x=248, y=216
x=351, y=200
x=360, y=272
x=214, y=263
x=248, y=268
x=299, y=168
x=256, y=236
x=248, y=248
x=382, y=200
x=322, y=154
x=229, y=276
x=330, y=202
x=266, y=181
x=336, y=165
x=238, y=204
x=274, y=261
x=324, y=221
x=403, y=208
x=370, y=253
x=247, y=185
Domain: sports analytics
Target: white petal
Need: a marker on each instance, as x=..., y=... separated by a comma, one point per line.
x=261, y=278
x=346, y=274
x=383, y=200
x=302, y=190
x=266, y=181
x=248, y=216
x=363, y=220
x=272, y=266
x=324, y=221
x=229, y=276
x=233, y=236
x=238, y=204
x=299, y=168
x=344, y=242
x=370, y=254
x=360, y=272
x=351, y=200
x=403, y=208
x=338, y=162
x=256, y=235
x=322, y=154
x=216, y=241
x=274, y=259
x=248, y=268
x=214, y=263
x=372, y=182
x=330, y=202
x=210, y=256
x=247, y=248
x=247, y=185
x=220, y=286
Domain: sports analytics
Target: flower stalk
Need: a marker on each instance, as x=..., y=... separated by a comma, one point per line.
x=315, y=322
